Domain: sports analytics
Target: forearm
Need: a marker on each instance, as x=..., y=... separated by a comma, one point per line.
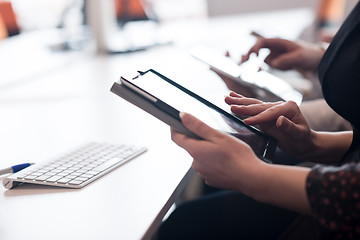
x=283, y=186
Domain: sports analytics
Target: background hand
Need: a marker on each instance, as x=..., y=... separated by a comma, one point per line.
x=287, y=55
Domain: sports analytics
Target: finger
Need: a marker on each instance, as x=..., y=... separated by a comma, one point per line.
x=241, y=101
x=244, y=58
x=234, y=94
x=237, y=95
x=210, y=183
x=285, y=61
x=198, y=167
x=287, y=126
x=198, y=127
x=191, y=145
x=270, y=43
x=181, y=139
x=286, y=109
x=274, y=43
x=254, y=49
x=268, y=60
x=253, y=109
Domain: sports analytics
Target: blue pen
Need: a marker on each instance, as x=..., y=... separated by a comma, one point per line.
x=15, y=168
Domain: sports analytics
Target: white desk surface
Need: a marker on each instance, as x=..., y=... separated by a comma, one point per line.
x=47, y=113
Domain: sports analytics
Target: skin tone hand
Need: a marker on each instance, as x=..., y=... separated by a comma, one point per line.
x=287, y=55
x=285, y=122
x=223, y=149
x=226, y=162
x=282, y=120
x=284, y=55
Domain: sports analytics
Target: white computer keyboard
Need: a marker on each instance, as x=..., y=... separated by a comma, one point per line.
x=76, y=168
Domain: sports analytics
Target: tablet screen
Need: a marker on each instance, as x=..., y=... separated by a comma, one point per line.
x=184, y=102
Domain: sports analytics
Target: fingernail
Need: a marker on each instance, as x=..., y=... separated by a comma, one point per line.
x=237, y=106
x=181, y=114
x=183, y=118
x=280, y=122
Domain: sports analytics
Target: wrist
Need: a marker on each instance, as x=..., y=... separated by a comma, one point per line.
x=326, y=147
x=282, y=186
x=256, y=181
x=329, y=147
x=312, y=149
x=319, y=52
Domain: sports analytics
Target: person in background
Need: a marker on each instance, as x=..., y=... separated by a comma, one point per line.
x=300, y=56
x=320, y=116
x=277, y=201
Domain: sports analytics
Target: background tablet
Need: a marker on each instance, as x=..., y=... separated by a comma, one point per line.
x=264, y=85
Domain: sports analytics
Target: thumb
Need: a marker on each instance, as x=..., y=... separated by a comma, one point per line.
x=285, y=61
x=287, y=126
x=198, y=127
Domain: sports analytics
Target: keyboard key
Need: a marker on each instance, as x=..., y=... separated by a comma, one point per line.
x=93, y=172
x=73, y=168
x=62, y=174
x=75, y=182
x=22, y=175
x=30, y=177
x=37, y=173
x=81, y=179
x=43, y=177
x=64, y=180
x=86, y=175
x=73, y=176
x=108, y=164
x=53, y=178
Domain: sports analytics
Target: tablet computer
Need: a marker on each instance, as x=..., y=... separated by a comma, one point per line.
x=165, y=99
x=263, y=84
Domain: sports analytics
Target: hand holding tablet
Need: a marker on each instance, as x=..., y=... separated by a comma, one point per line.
x=165, y=99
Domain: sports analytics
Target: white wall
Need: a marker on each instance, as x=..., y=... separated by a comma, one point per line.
x=220, y=7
